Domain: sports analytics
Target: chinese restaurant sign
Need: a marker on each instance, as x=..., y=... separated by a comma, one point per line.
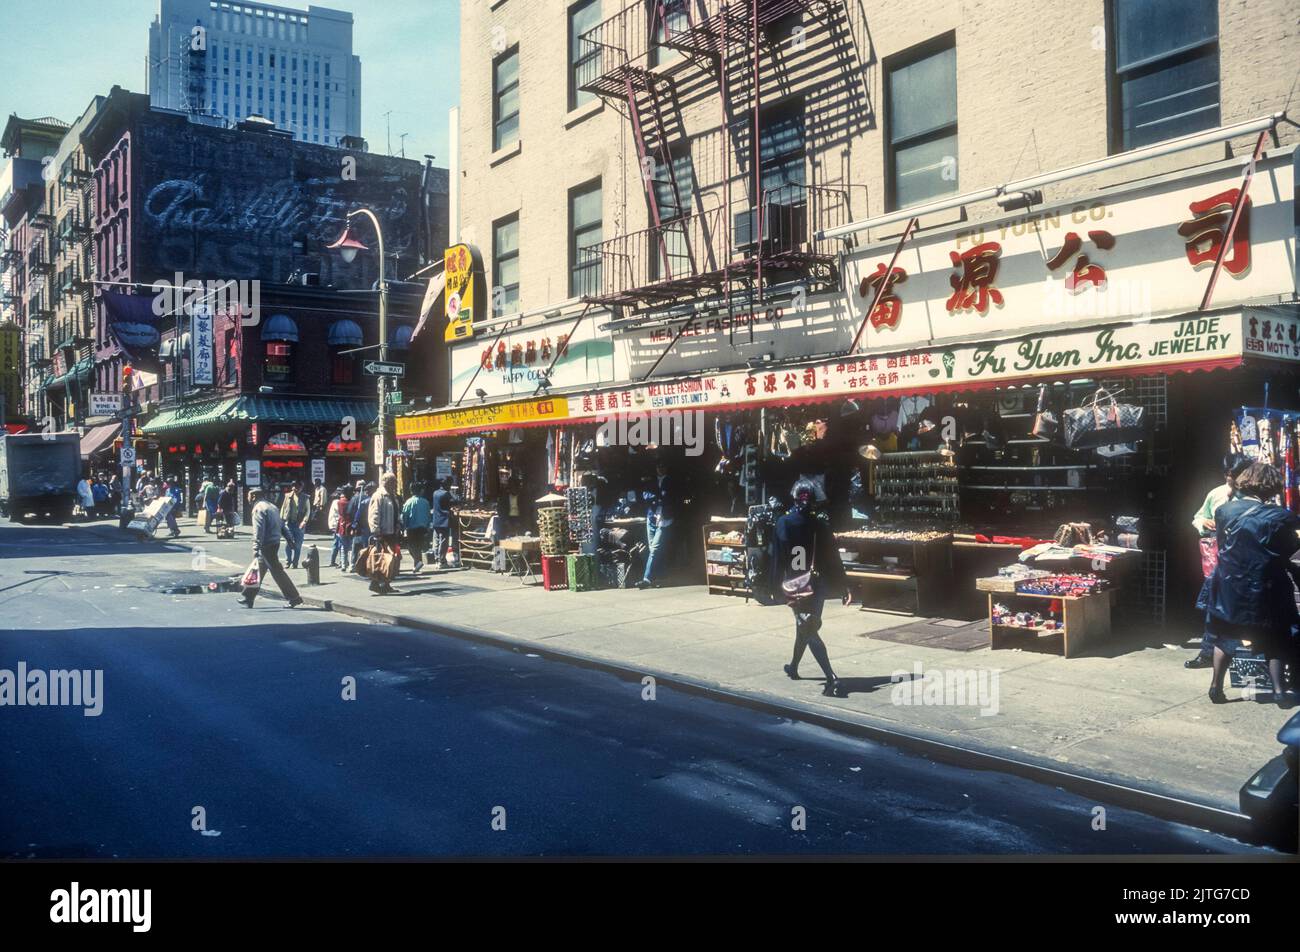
x=499, y=415
x=1138, y=252
x=512, y=365
x=203, y=349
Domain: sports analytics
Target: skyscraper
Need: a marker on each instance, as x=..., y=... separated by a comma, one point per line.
x=233, y=60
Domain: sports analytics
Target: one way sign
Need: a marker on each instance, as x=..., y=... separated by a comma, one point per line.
x=376, y=368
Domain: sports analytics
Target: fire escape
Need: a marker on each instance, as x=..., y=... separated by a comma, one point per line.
x=733, y=242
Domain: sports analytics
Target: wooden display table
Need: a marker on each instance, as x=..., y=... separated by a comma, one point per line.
x=475, y=546
x=1086, y=620
x=925, y=567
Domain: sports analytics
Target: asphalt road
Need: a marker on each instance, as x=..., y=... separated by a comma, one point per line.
x=207, y=704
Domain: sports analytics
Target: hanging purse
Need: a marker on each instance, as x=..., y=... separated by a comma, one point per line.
x=1046, y=422
x=800, y=587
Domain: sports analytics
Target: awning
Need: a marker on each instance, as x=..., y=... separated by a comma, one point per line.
x=280, y=327
x=345, y=333
x=99, y=438
x=1173, y=345
x=262, y=409
x=82, y=373
x=400, y=336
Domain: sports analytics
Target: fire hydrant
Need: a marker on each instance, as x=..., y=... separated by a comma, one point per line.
x=311, y=562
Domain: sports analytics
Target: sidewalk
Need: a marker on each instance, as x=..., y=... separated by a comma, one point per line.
x=1129, y=714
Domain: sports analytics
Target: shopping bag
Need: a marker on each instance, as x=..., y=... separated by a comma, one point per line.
x=392, y=562
x=1209, y=556
x=203, y=518
x=362, y=566
x=252, y=579
x=1046, y=422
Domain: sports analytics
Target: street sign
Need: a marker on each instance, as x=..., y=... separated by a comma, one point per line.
x=127, y=456
x=105, y=404
x=395, y=396
x=376, y=368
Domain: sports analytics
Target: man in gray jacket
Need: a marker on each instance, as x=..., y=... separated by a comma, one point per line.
x=268, y=530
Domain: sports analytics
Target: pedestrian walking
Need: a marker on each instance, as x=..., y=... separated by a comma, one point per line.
x=339, y=524
x=441, y=513
x=319, y=505
x=416, y=515
x=382, y=515
x=228, y=504
x=85, y=497
x=295, y=510
x=115, y=491
x=172, y=491
x=806, y=566
x=207, y=497
x=1252, y=592
x=267, y=535
x=99, y=491
x=1203, y=522
x=358, y=520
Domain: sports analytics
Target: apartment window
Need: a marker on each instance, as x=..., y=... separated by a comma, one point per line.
x=666, y=16
x=584, y=58
x=505, y=99
x=505, y=264
x=1165, y=70
x=921, y=90
x=784, y=153
x=673, y=238
x=585, y=233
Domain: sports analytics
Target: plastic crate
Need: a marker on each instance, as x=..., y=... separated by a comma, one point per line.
x=582, y=573
x=555, y=572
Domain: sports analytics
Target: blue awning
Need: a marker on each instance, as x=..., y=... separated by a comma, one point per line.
x=401, y=336
x=345, y=334
x=280, y=327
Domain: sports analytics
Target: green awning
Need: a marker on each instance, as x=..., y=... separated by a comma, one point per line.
x=82, y=372
x=293, y=412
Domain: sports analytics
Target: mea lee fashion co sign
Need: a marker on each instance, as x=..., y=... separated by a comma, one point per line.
x=1135, y=252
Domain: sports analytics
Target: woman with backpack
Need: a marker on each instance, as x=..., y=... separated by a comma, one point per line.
x=1251, y=596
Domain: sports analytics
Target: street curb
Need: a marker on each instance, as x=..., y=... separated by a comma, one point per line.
x=1151, y=802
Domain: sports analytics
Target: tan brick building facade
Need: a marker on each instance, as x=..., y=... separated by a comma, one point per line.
x=1034, y=85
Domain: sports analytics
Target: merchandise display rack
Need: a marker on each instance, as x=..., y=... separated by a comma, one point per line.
x=720, y=576
x=476, y=549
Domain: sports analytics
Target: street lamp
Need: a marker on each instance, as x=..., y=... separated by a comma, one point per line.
x=348, y=248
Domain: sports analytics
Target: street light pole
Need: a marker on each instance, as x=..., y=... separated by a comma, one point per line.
x=382, y=422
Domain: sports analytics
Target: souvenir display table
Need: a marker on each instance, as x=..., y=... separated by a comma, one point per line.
x=917, y=560
x=725, y=560
x=1023, y=611
x=524, y=556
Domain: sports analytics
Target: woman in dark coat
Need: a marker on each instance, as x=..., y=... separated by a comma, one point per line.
x=804, y=542
x=1251, y=595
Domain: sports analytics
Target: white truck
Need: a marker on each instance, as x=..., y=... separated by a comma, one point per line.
x=39, y=473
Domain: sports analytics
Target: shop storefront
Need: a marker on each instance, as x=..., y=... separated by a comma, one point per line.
x=987, y=388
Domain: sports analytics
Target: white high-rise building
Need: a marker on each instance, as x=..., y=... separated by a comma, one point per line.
x=294, y=67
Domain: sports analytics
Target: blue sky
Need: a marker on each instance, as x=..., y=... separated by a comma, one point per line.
x=63, y=52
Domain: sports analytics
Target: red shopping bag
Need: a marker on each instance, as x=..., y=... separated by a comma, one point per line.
x=252, y=579
x=1209, y=555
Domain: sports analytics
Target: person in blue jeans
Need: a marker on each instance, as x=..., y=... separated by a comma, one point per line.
x=358, y=522
x=660, y=526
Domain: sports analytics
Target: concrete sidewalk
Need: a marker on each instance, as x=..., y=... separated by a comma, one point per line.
x=1128, y=714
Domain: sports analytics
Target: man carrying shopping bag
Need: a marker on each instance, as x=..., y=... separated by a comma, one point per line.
x=385, y=559
x=267, y=534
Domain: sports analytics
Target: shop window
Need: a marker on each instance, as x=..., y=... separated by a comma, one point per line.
x=279, y=361
x=584, y=58
x=1164, y=65
x=586, y=231
x=921, y=123
x=505, y=265
x=343, y=369
x=505, y=99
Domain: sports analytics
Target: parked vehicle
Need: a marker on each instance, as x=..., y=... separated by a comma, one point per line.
x=39, y=473
x=1271, y=798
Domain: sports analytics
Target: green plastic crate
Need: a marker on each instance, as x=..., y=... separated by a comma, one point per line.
x=583, y=576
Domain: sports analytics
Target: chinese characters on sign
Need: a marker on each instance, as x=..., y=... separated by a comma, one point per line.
x=1205, y=233
x=203, y=360
x=523, y=355
x=889, y=307
x=1084, y=271
x=973, y=288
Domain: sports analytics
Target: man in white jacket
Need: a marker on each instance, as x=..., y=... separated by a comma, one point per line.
x=268, y=531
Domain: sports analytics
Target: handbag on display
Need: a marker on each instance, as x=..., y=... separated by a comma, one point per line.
x=1249, y=669
x=1046, y=422
x=1103, y=421
x=1071, y=534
